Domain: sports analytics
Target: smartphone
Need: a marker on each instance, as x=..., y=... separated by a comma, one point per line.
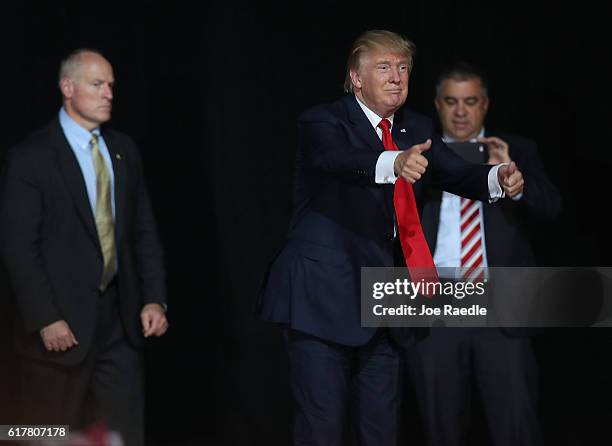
x=474, y=152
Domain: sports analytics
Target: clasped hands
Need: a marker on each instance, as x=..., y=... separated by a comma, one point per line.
x=58, y=336
x=411, y=165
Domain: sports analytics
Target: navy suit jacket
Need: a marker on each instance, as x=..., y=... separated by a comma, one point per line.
x=342, y=220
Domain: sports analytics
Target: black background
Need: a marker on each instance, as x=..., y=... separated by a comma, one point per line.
x=211, y=94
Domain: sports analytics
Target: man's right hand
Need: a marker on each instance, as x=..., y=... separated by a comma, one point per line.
x=58, y=336
x=410, y=164
x=499, y=152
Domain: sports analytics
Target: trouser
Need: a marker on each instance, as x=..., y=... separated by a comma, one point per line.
x=344, y=393
x=451, y=363
x=107, y=385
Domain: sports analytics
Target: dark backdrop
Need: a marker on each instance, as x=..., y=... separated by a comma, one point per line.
x=211, y=93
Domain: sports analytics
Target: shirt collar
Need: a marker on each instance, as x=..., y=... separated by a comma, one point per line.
x=77, y=134
x=372, y=117
x=480, y=135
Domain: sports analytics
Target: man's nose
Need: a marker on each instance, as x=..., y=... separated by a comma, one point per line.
x=394, y=75
x=107, y=92
x=460, y=109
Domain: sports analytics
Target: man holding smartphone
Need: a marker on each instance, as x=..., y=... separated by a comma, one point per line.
x=468, y=235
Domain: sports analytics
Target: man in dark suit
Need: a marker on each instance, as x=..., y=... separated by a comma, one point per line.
x=79, y=241
x=465, y=236
x=343, y=220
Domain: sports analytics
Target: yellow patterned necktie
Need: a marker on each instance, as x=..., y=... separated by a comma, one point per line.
x=104, y=214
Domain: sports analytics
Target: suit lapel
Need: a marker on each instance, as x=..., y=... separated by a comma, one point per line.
x=119, y=170
x=73, y=177
x=430, y=219
x=402, y=132
x=404, y=135
x=361, y=124
x=363, y=128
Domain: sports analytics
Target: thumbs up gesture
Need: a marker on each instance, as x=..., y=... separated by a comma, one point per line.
x=411, y=164
x=510, y=179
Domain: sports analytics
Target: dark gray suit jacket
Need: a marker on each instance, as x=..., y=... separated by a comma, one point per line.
x=505, y=221
x=50, y=248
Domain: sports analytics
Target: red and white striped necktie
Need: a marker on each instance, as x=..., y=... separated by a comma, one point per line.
x=471, y=241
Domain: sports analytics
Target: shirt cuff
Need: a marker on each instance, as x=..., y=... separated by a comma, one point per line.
x=495, y=190
x=385, y=173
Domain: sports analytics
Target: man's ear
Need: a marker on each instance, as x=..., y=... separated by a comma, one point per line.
x=67, y=87
x=485, y=103
x=355, y=79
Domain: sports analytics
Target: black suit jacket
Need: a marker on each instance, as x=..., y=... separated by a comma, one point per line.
x=342, y=220
x=505, y=222
x=50, y=247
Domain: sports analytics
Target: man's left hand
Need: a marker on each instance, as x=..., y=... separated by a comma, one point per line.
x=154, y=320
x=510, y=179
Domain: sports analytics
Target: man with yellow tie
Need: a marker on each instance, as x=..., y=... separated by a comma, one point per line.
x=79, y=240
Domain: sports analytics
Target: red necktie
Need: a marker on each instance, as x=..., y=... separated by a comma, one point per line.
x=471, y=241
x=414, y=246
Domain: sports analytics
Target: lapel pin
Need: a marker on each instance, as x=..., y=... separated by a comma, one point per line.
x=118, y=156
x=403, y=130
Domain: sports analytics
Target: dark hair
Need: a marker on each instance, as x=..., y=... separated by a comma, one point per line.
x=462, y=71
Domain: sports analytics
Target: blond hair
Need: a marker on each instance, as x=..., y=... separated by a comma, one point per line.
x=376, y=40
